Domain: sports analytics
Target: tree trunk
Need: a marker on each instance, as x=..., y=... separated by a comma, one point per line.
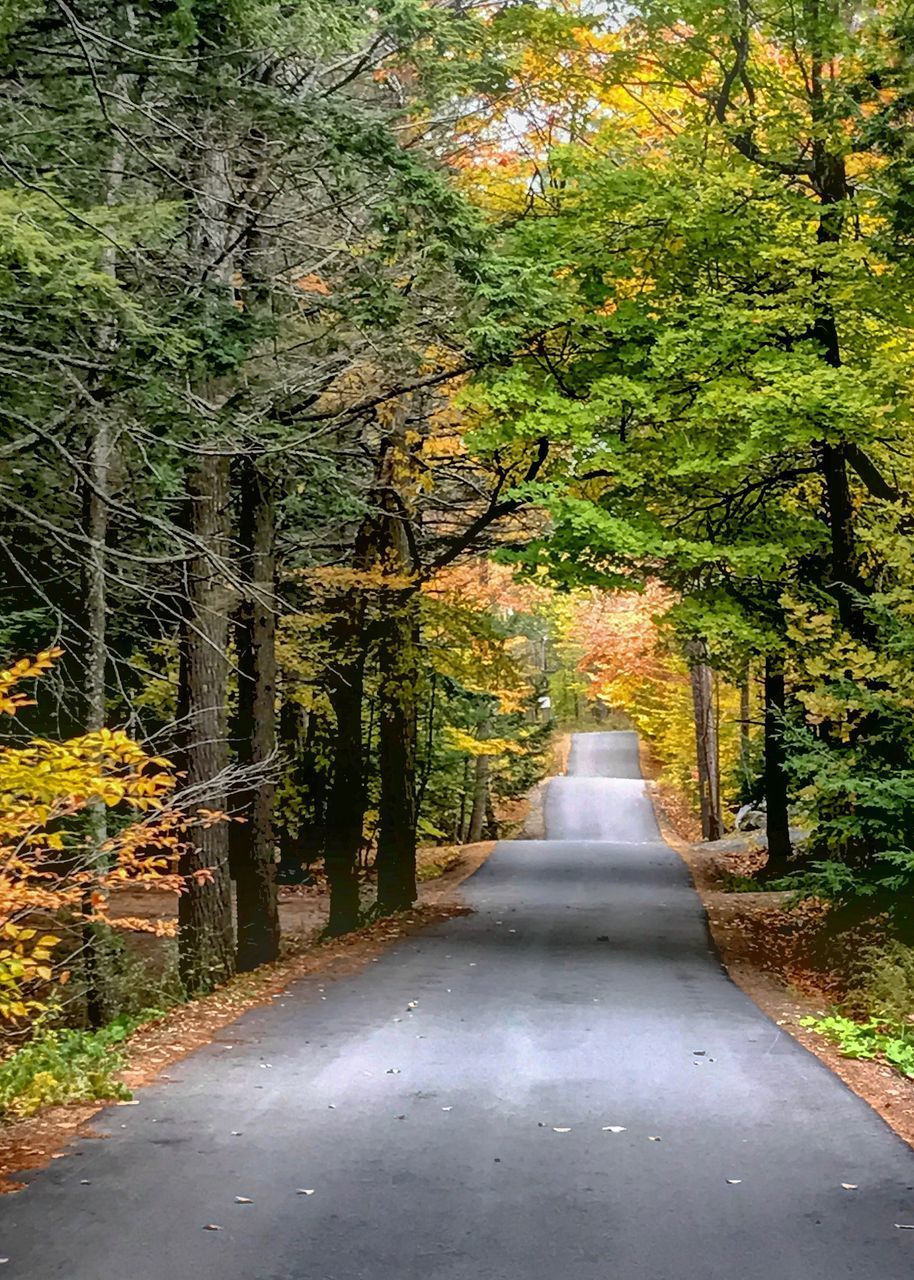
x=302, y=833
x=346, y=799
x=96, y=496
x=96, y=663
x=480, y=800
x=778, y=820
x=398, y=692
x=428, y=759
x=205, y=941
x=829, y=181
x=460, y=833
x=252, y=842
x=705, y=741
x=745, y=726
x=398, y=727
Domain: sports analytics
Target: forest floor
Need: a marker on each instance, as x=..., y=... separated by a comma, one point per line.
x=303, y=909
x=772, y=949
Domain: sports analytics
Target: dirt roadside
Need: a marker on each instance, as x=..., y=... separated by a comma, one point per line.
x=759, y=940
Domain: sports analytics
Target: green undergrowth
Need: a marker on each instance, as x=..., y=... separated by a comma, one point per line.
x=66, y=1065
x=871, y=1039
x=876, y=1020
x=732, y=883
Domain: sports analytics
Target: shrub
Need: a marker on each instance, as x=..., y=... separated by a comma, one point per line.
x=66, y=1066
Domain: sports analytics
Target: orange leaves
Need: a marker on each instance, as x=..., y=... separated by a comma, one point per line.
x=619, y=636
x=140, y=924
x=312, y=283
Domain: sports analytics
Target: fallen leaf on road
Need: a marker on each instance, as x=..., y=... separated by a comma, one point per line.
x=849, y=1186
x=128, y=1102
x=613, y=1128
x=212, y=1226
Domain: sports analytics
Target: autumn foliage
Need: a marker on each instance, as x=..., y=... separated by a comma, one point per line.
x=52, y=871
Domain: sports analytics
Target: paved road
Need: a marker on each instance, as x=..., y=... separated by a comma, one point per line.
x=466, y=1139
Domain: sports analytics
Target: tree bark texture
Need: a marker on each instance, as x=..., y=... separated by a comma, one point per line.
x=252, y=841
x=778, y=819
x=706, y=748
x=480, y=800
x=205, y=936
x=398, y=727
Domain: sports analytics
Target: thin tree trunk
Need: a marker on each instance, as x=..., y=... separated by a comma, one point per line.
x=829, y=181
x=778, y=819
x=491, y=828
x=425, y=772
x=252, y=844
x=398, y=726
x=96, y=497
x=464, y=796
x=480, y=800
x=745, y=712
x=400, y=672
x=205, y=939
x=705, y=741
x=96, y=613
x=346, y=799
x=347, y=794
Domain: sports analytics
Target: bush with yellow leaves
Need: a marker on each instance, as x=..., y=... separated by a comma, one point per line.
x=50, y=866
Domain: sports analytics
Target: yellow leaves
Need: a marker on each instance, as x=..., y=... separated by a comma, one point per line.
x=43, y=871
x=24, y=669
x=439, y=447
x=334, y=579
x=467, y=744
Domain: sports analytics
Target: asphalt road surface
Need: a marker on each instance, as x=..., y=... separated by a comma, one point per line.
x=467, y=1137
